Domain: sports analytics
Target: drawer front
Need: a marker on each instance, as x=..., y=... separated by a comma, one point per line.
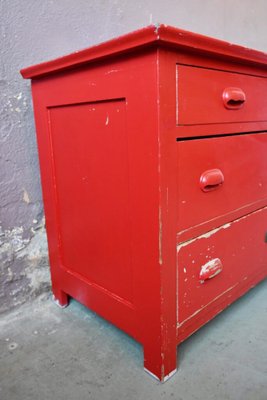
x=207, y=96
x=219, y=175
x=213, y=264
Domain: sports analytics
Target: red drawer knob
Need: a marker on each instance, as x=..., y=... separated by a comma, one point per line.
x=211, y=179
x=233, y=98
x=210, y=269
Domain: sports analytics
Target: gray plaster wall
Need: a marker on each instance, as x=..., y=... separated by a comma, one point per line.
x=33, y=31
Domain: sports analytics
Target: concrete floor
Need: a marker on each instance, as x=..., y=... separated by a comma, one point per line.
x=49, y=353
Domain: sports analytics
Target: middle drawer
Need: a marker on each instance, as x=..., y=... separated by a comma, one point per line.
x=219, y=175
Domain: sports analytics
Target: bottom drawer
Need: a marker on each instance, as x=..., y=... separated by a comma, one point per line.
x=213, y=264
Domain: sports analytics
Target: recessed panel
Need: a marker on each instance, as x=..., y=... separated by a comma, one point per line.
x=90, y=153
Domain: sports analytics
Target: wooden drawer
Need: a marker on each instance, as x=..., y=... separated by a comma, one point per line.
x=242, y=161
x=208, y=96
x=229, y=255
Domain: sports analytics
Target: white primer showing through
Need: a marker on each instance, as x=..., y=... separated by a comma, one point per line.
x=209, y=266
x=213, y=231
x=204, y=236
x=56, y=301
x=167, y=377
x=206, y=305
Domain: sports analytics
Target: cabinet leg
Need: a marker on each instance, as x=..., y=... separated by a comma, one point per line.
x=60, y=298
x=159, y=363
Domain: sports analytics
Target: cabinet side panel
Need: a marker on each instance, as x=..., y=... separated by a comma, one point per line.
x=90, y=156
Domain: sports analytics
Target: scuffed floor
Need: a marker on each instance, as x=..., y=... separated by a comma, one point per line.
x=49, y=353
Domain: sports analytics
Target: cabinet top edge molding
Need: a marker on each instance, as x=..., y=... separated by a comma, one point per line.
x=152, y=35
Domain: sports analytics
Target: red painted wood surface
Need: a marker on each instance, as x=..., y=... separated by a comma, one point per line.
x=207, y=96
x=236, y=245
x=91, y=237
x=124, y=184
x=232, y=155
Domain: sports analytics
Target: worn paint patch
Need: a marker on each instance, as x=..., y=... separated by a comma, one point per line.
x=210, y=269
x=206, y=305
x=111, y=71
x=204, y=236
x=160, y=237
x=215, y=230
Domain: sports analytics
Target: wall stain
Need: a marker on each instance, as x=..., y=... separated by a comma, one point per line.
x=24, y=270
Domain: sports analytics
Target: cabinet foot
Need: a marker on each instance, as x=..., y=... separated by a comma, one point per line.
x=160, y=365
x=60, y=298
x=166, y=377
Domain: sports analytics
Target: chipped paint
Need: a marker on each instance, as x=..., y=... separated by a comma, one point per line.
x=107, y=120
x=156, y=30
x=215, y=230
x=111, y=71
x=56, y=301
x=160, y=237
x=164, y=378
x=206, y=305
x=210, y=269
x=228, y=215
x=204, y=236
x=168, y=376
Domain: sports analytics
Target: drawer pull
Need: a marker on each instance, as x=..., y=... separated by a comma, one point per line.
x=210, y=269
x=233, y=98
x=211, y=180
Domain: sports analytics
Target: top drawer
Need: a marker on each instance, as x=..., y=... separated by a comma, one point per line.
x=207, y=96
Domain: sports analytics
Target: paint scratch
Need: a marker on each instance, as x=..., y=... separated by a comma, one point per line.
x=160, y=237
x=111, y=71
x=206, y=305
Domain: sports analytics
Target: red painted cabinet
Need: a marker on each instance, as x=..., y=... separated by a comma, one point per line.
x=152, y=151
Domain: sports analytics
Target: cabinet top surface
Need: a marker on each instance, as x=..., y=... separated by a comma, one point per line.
x=160, y=35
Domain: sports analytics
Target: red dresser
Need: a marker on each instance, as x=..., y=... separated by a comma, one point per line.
x=153, y=156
